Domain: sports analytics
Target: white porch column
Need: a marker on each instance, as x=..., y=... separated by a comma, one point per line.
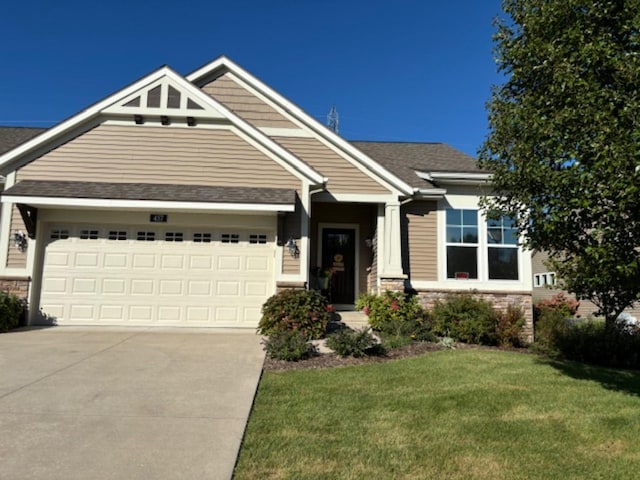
x=391, y=261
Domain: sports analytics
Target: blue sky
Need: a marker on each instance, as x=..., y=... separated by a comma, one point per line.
x=396, y=70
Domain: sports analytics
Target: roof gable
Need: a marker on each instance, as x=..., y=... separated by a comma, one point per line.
x=222, y=65
x=162, y=92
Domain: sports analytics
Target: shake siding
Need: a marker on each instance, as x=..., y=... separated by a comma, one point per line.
x=343, y=176
x=245, y=104
x=420, y=239
x=110, y=153
x=16, y=258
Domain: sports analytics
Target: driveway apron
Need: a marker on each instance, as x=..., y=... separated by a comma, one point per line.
x=99, y=403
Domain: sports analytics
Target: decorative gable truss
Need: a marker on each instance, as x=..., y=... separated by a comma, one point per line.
x=167, y=99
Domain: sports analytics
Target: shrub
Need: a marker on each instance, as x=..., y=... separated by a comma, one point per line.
x=350, y=343
x=509, y=327
x=305, y=311
x=396, y=314
x=289, y=345
x=11, y=311
x=465, y=319
x=590, y=341
x=550, y=320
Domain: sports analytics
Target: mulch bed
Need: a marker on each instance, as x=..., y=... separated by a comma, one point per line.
x=331, y=360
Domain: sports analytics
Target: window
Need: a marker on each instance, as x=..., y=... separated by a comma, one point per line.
x=117, y=235
x=202, y=237
x=502, y=249
x=59, y=234
x=257, y=239
x=146, y=236
x=88, y=234
x=462, y=244
x=173, y=236
x=544, y=279
x=230, y=238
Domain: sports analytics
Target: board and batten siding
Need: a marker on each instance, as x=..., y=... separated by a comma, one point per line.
x=245, y=104
x=344, y=177
x=420, y=240
x=122, y=154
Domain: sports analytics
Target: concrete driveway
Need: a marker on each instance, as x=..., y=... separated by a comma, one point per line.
x=99, y=403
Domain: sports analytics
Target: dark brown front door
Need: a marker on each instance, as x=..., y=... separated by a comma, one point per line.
x=339, y=257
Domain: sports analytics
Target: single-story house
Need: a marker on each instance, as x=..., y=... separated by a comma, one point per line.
x=189, y=200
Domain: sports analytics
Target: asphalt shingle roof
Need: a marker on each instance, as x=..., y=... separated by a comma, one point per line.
x=13, y=136
x=150, y=191
x=404, y=158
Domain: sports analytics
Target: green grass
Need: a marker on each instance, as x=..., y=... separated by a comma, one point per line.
x=452, y=414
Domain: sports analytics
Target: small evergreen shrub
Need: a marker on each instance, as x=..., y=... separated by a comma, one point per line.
x=304, y=311
x=289, y=345
x=350, y=343
x=465, y=319
x=509, y=327
x=11, y=311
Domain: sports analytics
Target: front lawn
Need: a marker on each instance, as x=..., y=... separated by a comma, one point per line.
x=451, y=414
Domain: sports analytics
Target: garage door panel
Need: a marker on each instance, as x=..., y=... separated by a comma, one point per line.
x=156, y=282
x=58, y=259
x=141, y=313
x=199, y=288
x=86, y=260
x=229, y=263
x=113, y=286
x=171, y=287
x=257, y=264
x=115, y=260
x=169, y=314
x=172, y=262
x=141, y=287
x=231, y=288
x=144, y=260
x=84, y=286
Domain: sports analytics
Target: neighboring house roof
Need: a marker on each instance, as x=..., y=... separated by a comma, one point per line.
x=404, y=159
x=13, y=136
x=150, y=191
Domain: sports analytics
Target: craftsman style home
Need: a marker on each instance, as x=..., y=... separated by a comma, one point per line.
x=189, y=200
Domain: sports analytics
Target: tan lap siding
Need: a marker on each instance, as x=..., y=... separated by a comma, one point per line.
x=245, y=104
x=420, y=240
x=110, y=153
x=343, y=176
x=16, y=258
x=291, y=229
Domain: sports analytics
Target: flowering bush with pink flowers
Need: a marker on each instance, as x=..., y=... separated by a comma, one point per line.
x=395, y=313
x=304, y=311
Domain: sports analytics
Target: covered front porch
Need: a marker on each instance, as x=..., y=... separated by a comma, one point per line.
x=347, y=251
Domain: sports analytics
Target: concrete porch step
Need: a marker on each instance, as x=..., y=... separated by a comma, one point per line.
x=353, y=319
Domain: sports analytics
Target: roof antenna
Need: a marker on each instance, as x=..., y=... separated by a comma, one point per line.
x=333, y=119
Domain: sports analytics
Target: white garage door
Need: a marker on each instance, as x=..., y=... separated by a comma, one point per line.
x=119, y=275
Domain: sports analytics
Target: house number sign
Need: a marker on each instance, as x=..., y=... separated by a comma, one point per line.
x=158, y=218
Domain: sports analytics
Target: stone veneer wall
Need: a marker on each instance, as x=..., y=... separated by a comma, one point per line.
x=282, y=286
x=501, y=300
x=19, y=286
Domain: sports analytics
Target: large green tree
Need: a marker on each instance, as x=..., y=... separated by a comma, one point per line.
x=564, y=140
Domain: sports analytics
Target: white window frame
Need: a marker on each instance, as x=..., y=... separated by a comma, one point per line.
x=463, y=244
x=470, y=202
